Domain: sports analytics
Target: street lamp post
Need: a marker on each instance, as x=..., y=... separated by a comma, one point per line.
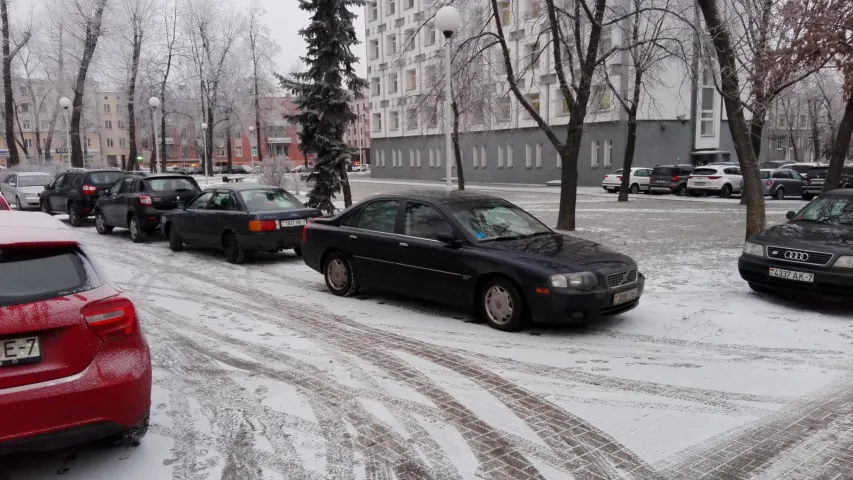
x=154, y=102
x=204, y=142
x=65, y=103
x=447, y=21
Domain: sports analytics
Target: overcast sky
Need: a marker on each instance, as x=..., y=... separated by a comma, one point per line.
x=285, y=19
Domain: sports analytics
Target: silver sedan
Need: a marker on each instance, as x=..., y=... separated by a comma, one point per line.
x=22, y=189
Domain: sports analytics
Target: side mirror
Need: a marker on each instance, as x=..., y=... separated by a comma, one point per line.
x=791, y=214
x=448, y=238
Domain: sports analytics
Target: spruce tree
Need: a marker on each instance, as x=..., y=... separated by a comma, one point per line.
x=323, y=93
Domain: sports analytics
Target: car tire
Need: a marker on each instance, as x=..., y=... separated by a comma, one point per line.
x=339, y=275
x=74, y=217
x=44, y=208
x=808, y=196
x=101, y=224
x=298, y=251
x=779, y=194
x=682, y=191
x=18, y=205
x=175, y=242
x=635, y=189
x=502, y=306
x=726, y=191
x=233, y=253
x=137, y=234
x=130, y=437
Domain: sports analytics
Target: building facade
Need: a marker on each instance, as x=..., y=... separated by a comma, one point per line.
x=681, y=118
x=357, y=135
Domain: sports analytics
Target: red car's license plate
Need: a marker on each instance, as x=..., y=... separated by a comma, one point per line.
x=14, y=351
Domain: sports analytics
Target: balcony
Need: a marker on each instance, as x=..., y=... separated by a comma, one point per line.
x=278, y=140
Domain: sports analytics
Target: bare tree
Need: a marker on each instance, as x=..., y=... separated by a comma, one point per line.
x=9, y=52
x=262, y=49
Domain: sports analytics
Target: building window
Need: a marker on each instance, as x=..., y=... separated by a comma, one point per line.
x=407, y=4
x=88, y=142
x=559, y=160
x=499, y=63
x=500, y=156
x=433, y=117
x=706, y=119
x=505, y=9
x=594, y=154
x=110, y=142
x=391, y=42
x=27, y=125
x=373, y=49
x=392, y=83
x=509, y=156
x=602, y=95
x=24, y=107
x=803, y=122
x=538, y=155
x=377, y=122
x=503, y=109
x=564, y=104
x=106, y=108
x=122, y=142
x=392, y=7
x=375, y=86
x=254, y=151
x=238, y=151
x=476, y=157
x=373, y=8
x=431, y=158
x=410, y=39
x=412, y=120
x=383, y=158
x=220, y=151
x=393, y=120
x=779, y=144
x=606, y=42
x=608, y=152
x=438, y=158
x=533, y=100
x=121, y=124
x=411, y=79
x=430, y=35
x=411, y=158
x=418, y=158
x=28, y=143
x=44, y=125
x=118, y=108
x=483, y=157
x=528, y=156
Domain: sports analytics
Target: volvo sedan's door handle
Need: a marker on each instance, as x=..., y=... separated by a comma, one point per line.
x=353, y=237
x=404, y=245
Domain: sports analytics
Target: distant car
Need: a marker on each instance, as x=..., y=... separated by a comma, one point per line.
x=137, y=203
x=773, y=165
x=76, y=193
x=239, y=170
x=813, y=185
x=4, y=205
x=71, y=347
x=360, y=168
x=670, y=179
x=802, y=168
x=639, y=181
x=23, y=188
x=715, y=180
x=472, y=251
x=241, y=220
x=810, y=254
x=779, y=183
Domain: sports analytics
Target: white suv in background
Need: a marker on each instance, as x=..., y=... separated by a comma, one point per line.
x=718, y=180
x=639, y=181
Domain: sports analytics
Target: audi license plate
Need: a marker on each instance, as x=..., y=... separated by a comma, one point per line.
x=293, y=223
x=15, y=351
x=792, y=275
x=626, y=296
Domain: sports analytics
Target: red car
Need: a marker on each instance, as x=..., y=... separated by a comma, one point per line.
x=74, y=365
x=4, y=205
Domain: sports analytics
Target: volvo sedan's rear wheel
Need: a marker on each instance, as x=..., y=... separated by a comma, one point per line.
x=502, y=305
x=340, y=277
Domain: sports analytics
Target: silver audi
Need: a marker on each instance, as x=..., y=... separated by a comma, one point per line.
x=22, y=189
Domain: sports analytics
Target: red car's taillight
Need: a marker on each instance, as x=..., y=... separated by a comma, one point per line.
x=145, y=200
x=675, y=178
x=112, y=318
x=769, y=183
x=89, y=189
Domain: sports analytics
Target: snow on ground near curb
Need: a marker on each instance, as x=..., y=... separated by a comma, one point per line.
x=261, y=373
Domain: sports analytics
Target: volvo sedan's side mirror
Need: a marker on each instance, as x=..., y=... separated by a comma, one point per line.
x=791, y=214
x=448, y=238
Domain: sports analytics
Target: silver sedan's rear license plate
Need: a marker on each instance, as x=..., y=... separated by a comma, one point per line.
x=14, y=351
x=293, y=223
x=626, y=296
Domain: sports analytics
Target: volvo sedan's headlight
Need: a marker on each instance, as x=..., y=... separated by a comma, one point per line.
x=579, y=281
x=844, y=262
x=753, y=249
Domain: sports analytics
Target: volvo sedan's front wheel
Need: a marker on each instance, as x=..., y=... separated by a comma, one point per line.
x=340, y=278
x=502, y=306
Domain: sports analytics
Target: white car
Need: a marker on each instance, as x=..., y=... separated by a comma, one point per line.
x=639, y=181
x=715, y=180
x=22, y=189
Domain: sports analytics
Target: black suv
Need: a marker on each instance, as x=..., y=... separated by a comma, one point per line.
x=76, y=192
x=137, y=202
x=811, y=254
x=813, y=184
x=670, y=178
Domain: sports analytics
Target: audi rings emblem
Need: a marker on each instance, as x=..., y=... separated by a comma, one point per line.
x=797, y=256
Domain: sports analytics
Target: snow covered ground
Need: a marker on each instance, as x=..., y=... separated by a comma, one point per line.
x=262, y=374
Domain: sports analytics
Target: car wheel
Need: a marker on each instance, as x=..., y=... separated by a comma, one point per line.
x=298, y=251
x=175, y=242
x=502, y=305
x=779, y=194
x=74, y=217
x=726, y=191
x=682, y=191
x=635, y=189
x=131, y=437
x=101, y=224
x=808, y=196
x=233, y=253
x=18, y=204
x=45, y=208
x=137, y=235
x=340, y=278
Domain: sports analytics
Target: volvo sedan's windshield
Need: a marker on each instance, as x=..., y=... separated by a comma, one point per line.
x=497, y=221
x=835, y=210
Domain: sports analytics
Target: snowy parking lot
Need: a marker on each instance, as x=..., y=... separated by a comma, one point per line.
x=260, y=373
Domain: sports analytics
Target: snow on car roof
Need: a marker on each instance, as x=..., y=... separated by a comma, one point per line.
x=31, y=174
x=28, y=227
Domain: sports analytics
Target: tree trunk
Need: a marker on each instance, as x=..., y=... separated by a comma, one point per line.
x=93, y=31
x=569, y=176
x=48, y=142
x=345, y=187
x=228, y=146
x=753, y=194
x=131, y=89
x=161, y=148
x=457, y=151
x=35, y=120
x=628, y=161
x=840, y=148
x=756, y=130
x=9, y=103
x=258, y=120
x=815, y=132
x=793, y=140
x=209, y=135
x=153, y=161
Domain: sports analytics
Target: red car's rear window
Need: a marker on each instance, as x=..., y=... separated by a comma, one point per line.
x=31, y=274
